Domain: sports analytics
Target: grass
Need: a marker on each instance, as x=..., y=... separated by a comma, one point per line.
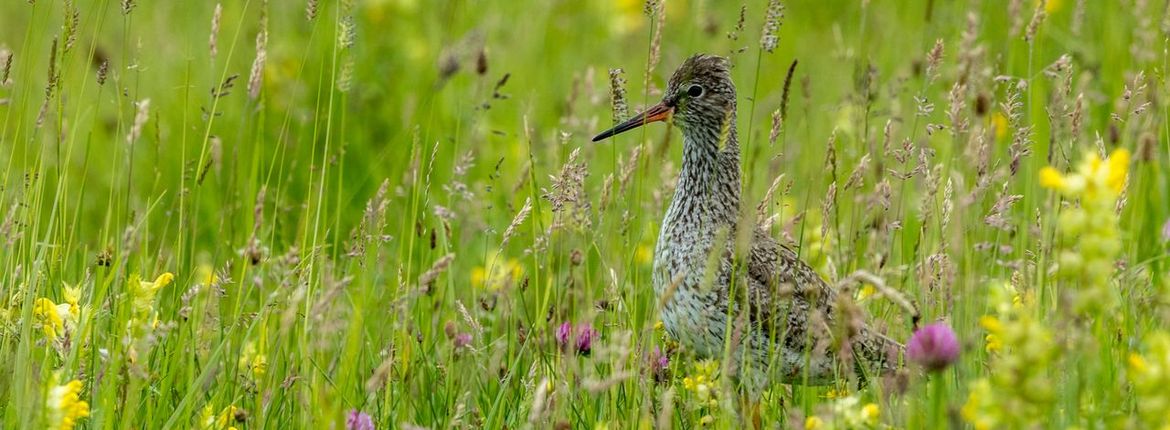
x=395, y=209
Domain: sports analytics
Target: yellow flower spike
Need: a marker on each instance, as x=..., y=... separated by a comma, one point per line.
x=1051, y=178
x=72, y=294
x=814, y=423
x=46, y=315
x=163, y=280
x=990, y=323
x=1138, y=364
x=1000, y=122
x=1118, y=169
x=65, y=405
x=870, y=413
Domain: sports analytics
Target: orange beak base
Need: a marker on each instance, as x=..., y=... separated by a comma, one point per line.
x=658, y=112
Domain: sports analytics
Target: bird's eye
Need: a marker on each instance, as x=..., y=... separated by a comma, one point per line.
x=695, y=91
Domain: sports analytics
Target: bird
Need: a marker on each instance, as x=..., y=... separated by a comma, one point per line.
x=704, y=289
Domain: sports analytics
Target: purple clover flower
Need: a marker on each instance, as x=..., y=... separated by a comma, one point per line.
x=585, y=338
x=934, y=347
x=358, y=420
x=659, y=364
x=582, y=341
x=564, y=332
x=462, y=340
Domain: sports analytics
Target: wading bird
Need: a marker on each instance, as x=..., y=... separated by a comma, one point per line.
x=792, y=332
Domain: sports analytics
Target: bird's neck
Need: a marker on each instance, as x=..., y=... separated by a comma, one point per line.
x=709, y=182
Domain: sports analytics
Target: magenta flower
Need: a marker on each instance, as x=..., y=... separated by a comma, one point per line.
x=934, y=347
x=358, y=420
x=563, y=334
x=582, y=341
x=585, y=339
x=462, y=340
x=659, y=364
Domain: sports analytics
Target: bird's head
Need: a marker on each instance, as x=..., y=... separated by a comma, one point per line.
x=700, y=94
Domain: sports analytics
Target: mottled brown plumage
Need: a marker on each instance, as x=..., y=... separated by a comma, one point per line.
x=790, y=332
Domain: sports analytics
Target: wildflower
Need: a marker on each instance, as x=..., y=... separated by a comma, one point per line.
x=46, y=316
x=563, y=333
x=72, y=306
x=870, y=413
x=933, y=346
x=993, y=327
x=836, y=393
x=701, y=383
x=659, y=364
x=585, y=339
x=582, y=341
x=1089, y=239
x=143, y=317
x=65, y=405
x=1051, y=6
x=462, y=340
x=865, y=292
x=644, y=255
x=979, y=400
x=496, y=273
x=814, y=423
x=999, y=122
x=253, y=363
x=1093, y=176
x=358, y=420
x=1150, y=374
x=142, y=292
x=1017, y=391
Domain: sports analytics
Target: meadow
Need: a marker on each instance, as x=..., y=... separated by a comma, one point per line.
x=363, y=214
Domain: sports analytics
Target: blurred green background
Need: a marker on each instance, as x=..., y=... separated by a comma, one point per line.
x=267, y=171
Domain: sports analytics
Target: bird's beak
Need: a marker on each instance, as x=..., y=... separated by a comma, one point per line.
x=658, y=112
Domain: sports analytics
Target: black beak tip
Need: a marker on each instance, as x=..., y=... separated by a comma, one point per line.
x=599, y=137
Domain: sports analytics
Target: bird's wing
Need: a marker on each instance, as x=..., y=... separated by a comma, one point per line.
x=791, y=298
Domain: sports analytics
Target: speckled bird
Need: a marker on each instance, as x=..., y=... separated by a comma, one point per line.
x=790, y=333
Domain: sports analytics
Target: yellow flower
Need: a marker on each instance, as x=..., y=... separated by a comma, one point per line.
x=1137, y=364
x=706, y=419
x=1149, y=374
x=814, y=423
x=866, y=291
x=1000, y=122
x=643, y=255
x=46, y=316
x=837, y=393
x=870, y=413
x=496, y=273
x=702, y=383
x=978, y=401
x=65, y=405
x=208, y=420
x=1092, y=176
x=994, y=327
x=252, y=362
x=1050, y=6
x=143, y=292
x=72, y=298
